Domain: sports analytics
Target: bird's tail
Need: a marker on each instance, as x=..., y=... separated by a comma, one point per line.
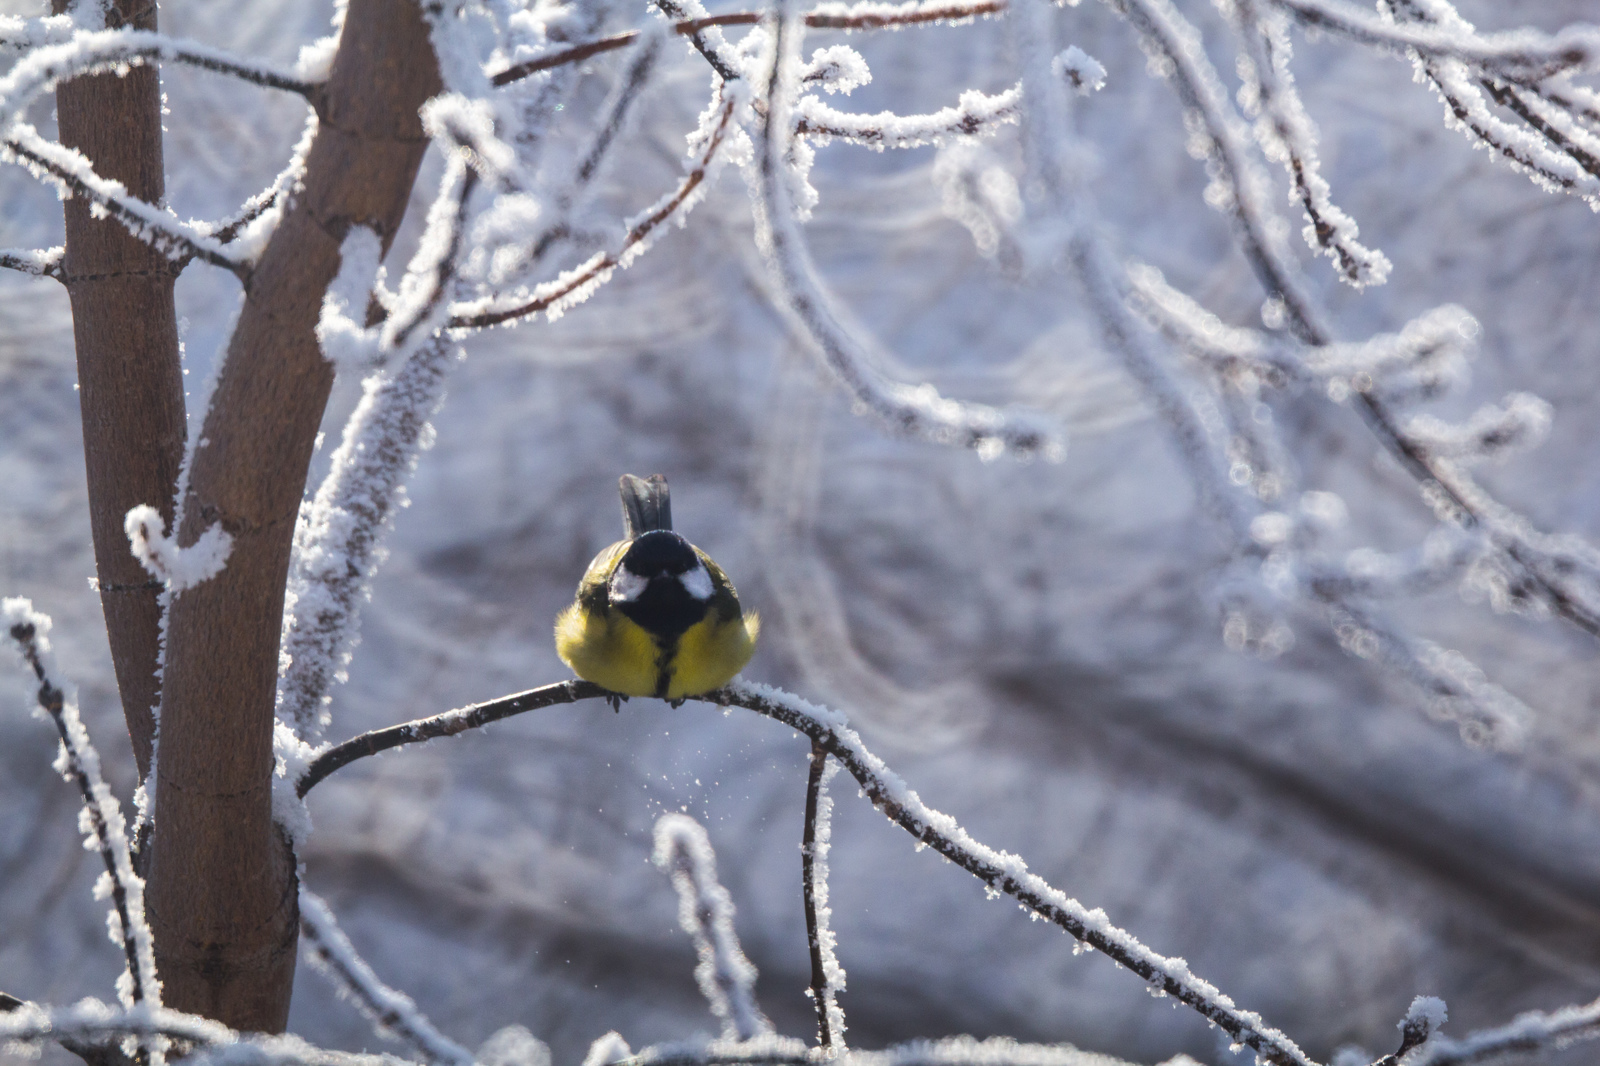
x=646, y=504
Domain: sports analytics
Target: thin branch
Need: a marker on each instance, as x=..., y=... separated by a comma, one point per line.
x=575, y=285
x=69, y=170
x=41, y=264
x=391, y=1012
x=827, y=976
x=975, y=113
x=888, y=792
x=79, y=763
x=1530, y=1032
x=447, y=724
x=1522, y=55
x=868, y=16
x=914, y=410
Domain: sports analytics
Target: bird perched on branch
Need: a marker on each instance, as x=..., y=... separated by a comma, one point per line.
x=654, y=615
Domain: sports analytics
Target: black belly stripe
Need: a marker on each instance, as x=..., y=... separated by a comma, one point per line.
x=666, y=648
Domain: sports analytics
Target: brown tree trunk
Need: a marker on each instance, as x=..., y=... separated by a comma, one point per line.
x=222, y=894
x=130, y=384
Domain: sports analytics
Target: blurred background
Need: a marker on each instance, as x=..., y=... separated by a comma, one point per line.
x=1036, y=647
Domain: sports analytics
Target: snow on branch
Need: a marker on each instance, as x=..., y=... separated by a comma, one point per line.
x=705, y=34
x=705, y=911
x=1004, y=873
x=1522, y=55
x=973, y=114
x=89, y=52
x=1288, y=136
x=179, y=568
x=947, y=1051
x=1530, y=1032
x=71, y=172
x=871, y=15
x=555, y=297
x=45, y=263
x=914, y=410
x=391, y=1013
x=92, y=1024
x=19, y=34
x=104, y=828
x=827, y=976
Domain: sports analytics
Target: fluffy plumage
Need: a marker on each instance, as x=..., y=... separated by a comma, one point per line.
x=654, y=615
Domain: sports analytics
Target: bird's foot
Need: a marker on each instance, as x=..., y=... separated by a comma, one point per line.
x=616, y=700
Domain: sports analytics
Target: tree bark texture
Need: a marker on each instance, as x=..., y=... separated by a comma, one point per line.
x=130, y=382
x=222, y=894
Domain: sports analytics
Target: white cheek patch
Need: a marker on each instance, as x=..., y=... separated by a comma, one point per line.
x=697, y=582
x=627, y=586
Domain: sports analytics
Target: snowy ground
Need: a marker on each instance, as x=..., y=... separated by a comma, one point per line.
x=1034, y=647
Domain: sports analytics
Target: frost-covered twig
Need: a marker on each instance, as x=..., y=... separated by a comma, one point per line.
x=71, y=172
x=915, y=410
x=1524, y=55
x=19, y=34
x=949, y=1051
x=574, y=286
x=41, y=264
x=975, y=113
x=872, y=15
x=105, y=828
x=1286, y=134
x=392, y=1013
x=1001, y=871
x=704, y=34
x=93, y=1024
x=1531, y=1032
x=705, y=911
x=827, y=976
x=89, y=52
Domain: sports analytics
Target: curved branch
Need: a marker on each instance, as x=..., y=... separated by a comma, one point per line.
x=830, y=731
x=577, y=284
x=41, y=264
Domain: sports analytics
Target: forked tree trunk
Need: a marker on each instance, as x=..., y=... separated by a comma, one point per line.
x=221, y=893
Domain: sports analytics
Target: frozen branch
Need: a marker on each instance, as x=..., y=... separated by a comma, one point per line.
x=45, y=263
x=93, y=1024
x=948, y=1051
x=830, y=16
x=1531, y=1032
x=827, y=976
x=68, y=170
x=19, y=34
x=1286, y=134
x=105, y=829
x=87, y=53
x=704, y=33
x=391, y=1013
x=573, y=286
x=914, y=410
x=1522, y=55
x=829, y=730
x=974, y=114
x=705, y=911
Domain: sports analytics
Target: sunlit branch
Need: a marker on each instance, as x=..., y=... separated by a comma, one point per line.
x=576, y=284
x=872, y=16
x=68, y=169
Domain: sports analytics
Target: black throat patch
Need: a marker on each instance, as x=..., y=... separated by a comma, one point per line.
x=664, y=609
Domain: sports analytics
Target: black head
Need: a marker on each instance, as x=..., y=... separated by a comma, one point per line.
x=661, y=584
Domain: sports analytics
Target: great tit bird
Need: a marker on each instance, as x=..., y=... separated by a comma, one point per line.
x=654, y=615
